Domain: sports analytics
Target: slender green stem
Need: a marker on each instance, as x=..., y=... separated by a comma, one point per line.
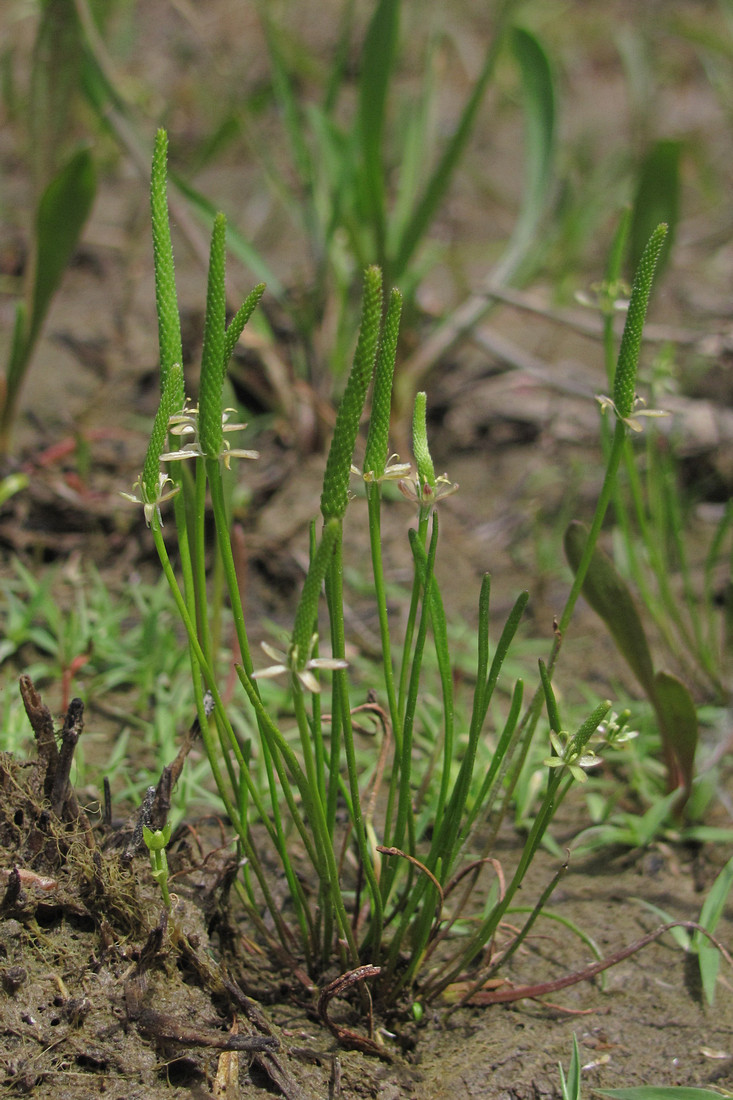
x=374, y=503
x=328, y=872
x=341, y=704
x=617, y=448
x=325, y=863
x=199, y=559
x=216, y=489
x=422, y=527
x=405, y=822
x=209, y=745
x=233, y=743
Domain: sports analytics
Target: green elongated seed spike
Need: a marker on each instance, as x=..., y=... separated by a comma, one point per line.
x=307, y=611
x=423, y=461
x=171, y=402
x=335, y=494
x=166, y=301
x=238, y=321
x=624, y=386
x=375, y=458
x=212, y=376
x=591, y=724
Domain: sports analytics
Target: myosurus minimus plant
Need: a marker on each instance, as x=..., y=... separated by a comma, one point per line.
x=380, y=859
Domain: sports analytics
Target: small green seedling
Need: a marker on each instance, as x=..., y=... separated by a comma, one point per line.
x=570, y=1087
x=156, y=841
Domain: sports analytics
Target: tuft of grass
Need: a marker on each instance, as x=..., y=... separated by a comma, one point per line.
x=386, y=851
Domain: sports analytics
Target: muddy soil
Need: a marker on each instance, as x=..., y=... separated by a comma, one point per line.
x=100, y=994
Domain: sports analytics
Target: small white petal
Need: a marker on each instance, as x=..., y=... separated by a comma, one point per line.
x=175, y=456
x=328, y=663
x=308, y=680
x=270, y=673
x=235, y=452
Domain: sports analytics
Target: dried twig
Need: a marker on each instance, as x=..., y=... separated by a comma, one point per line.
x=477, y=996
x=41, y=722
x=352, y=1040
x=52, y=768
x=72, y=728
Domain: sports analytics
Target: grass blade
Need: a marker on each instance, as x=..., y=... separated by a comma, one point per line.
x=237, y=244
x=660, y=1092
x=377, y=65
x=438, y=183
x=570, y=1088
x=710, y=914
x=539, y=112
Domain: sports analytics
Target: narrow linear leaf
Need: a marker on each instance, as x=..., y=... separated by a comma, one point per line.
x=507, y=636
x=380, y=47
x=307, y=614
x=539, y=105
x=708, y=958
x=237, y=243
x=571, y=1086
x=715, y=902
x=18, y=357
x=659, y=1092
x=710, y=914
x=62, y=212
x=538, y=100
x=438, y=184
x=681, y=936
x=287, y=100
